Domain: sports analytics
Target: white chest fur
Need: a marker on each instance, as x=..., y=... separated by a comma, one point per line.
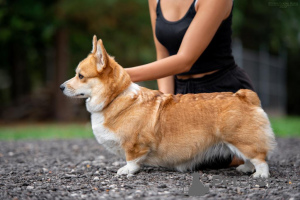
x=104, y=136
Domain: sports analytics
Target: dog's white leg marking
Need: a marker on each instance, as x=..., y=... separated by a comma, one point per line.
x=130, y=168
x=261, y=167
x=246, y=168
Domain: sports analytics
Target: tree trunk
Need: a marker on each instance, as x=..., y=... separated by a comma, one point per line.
x=62, y=105
x=20, y=80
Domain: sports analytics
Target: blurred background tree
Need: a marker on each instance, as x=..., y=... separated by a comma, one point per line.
x=41, y=43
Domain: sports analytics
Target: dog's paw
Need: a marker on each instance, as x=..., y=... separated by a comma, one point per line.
x=128, y=169
x=260, y=175
x=123, y=170
x=245, y=168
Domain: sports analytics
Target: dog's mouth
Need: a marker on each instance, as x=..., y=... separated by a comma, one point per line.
x=80, y=95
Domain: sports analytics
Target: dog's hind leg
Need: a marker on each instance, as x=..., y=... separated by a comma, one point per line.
x=254, y=159
x=248, y=167
x=254, y=151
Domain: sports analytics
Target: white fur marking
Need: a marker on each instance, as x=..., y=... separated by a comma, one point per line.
x=271, y=142
x=132, y=90
x=104, y=136
x=93, y=107
x=235, y=151
x=262, y=169
x=132, y=166
x=100, y=56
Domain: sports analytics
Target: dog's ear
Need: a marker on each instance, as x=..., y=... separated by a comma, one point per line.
x=101, y=56
x=94, y=44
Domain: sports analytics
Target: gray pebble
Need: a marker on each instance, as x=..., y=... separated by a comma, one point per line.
x=30, y=188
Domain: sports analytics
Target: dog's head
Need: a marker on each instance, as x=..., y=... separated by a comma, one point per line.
x=97, y=76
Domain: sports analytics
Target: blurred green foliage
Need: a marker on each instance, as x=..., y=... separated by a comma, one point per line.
x=258, y=22
x=28, y=29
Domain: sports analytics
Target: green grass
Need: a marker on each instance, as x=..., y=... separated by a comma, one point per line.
x=283, y=127
x=45, y=131
x=286, y=126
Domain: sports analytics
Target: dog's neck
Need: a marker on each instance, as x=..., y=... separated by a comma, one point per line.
x=120, y=85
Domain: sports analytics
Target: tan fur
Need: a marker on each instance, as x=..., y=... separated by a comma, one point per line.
x=173, y=129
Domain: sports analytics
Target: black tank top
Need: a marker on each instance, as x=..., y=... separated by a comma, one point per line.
x=218, y=53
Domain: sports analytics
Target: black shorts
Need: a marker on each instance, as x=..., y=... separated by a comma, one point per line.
x=230, y=79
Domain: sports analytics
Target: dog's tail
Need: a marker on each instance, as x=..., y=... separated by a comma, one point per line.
x=248, y=96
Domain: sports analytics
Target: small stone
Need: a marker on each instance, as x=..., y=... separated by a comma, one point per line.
x=45, y=170
x=73, y=195
x=101, y=157
x=116, y=163
x=30, y=188
x=130, y=176
x=96, y=178
x=11, y=153
x=162, y=186
x=112, y=186
x=75, y=147
x=86, y=162
x=70, y=176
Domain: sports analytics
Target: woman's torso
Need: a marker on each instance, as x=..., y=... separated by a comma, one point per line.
x=216, y=56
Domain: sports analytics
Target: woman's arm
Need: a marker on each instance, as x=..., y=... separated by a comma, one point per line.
x=166, y=84
x=209, y=16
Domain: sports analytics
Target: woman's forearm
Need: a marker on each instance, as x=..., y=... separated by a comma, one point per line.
x=166, y=85
x=171, y=65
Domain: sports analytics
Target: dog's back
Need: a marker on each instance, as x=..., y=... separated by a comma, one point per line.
x=193, y=123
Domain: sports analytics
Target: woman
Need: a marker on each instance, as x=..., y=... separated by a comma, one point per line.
x=193, y=46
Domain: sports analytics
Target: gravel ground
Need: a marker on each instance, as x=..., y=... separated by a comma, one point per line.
x=82, y=169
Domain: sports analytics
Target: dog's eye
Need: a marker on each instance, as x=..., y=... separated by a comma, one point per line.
x=80, y=76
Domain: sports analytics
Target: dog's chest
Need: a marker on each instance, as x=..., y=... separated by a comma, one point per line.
x=104, y=136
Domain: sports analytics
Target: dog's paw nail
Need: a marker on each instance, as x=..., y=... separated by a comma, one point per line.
x=260, y=175
x=130, y=176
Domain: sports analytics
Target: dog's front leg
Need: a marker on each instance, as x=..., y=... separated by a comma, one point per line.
x=134, y=161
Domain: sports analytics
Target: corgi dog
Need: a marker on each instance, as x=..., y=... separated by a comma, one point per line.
x=147, y=127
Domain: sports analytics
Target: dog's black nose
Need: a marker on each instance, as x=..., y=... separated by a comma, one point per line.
x=62, y=87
